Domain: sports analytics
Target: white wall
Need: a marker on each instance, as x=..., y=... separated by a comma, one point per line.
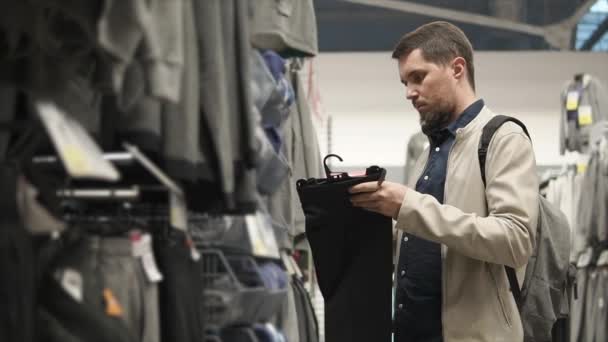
x=372, y=120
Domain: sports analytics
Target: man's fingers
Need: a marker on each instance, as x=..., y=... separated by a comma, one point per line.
x=364, y=187
x=364, y=197
x=368, y=206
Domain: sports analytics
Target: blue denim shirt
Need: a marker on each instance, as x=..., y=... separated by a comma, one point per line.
x=418, y=293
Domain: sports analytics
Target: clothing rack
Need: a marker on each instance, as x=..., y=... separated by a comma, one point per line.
x=176, y=87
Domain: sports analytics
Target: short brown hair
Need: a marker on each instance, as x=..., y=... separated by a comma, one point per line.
x=440, y=42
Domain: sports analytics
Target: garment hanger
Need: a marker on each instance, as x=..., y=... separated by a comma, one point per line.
x=339, y=176
x=334, y=176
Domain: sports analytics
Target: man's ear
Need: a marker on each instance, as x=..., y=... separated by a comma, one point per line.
x=459, y=67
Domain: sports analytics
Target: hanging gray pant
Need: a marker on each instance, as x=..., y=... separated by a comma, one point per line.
x=601, y=317
x=578, y=305
x=108, y=263
x=591, y=306
x=226, y=104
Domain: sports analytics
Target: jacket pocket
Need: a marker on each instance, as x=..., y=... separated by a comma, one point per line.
x=499, y=297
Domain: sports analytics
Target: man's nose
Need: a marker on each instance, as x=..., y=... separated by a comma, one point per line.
x=411, y=93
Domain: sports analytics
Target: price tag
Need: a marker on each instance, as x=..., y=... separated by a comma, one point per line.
x=150, y=268
x=581, y=168
x=287, y=263
x=603, y=259
x=141, y=244
x=572, y=100
x=74, y=156
x=585, y=116
x=255, y=238
x=80, y=155
x=194, y=254
x=585, y=259
x=261, y=235
x=142, y=249
x=113, y=307
x=71, y=281
x=179, y=212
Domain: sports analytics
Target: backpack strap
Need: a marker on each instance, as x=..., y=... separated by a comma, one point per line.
x=486, y=136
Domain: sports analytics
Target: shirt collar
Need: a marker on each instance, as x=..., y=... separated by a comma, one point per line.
x=463, y=120
x=466, y=117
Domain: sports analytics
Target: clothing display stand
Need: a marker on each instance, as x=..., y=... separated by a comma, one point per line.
x=579, y=190
x=149, y=156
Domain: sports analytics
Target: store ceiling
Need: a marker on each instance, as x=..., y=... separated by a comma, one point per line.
x=375, y=25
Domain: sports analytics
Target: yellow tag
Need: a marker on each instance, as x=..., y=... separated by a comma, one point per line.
x=581, y=168
x=75, y=157
x=572, y=100
x=113, y=308
x=585, y=116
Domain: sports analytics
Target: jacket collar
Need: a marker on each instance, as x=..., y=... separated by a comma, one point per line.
x=476, y=125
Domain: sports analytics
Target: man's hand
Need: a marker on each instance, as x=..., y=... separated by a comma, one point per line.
x=385, y=199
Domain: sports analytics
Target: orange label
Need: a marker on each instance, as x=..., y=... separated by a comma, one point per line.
x=113, y=308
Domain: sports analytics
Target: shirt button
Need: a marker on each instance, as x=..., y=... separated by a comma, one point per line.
x=400, y=306
x=402, y=273
x=437, y=149
x=405, y=239
x=426, y=177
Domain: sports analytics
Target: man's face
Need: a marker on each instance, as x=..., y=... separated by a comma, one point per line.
x=429, y=87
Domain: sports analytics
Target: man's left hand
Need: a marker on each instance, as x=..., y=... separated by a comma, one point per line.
x=385, y=199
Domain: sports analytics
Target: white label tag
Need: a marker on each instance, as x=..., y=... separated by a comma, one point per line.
x=296, y=267
x=267, y=235
x=585, y=115
x=257, y=244
x=196, y=256
x=261, y=235
x=141, y=245
x=572, y=100
x=150, y=268
x=585, y=259
x=179, y=212
x=81, y=157
x=71, y=281
x=603, y=259
x=287, y=263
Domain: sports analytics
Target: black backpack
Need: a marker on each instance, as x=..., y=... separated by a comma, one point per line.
x=544, y=296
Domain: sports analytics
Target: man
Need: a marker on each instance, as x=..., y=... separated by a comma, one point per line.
x=455, y=235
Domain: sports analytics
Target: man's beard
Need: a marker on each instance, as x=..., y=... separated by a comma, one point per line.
x=431, y=123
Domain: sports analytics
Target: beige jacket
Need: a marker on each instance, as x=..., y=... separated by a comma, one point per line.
x=480, y=230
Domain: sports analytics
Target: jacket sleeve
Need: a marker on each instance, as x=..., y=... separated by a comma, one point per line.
x=506, y=235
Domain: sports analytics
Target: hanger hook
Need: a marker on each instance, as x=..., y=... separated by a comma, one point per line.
x=327, y=170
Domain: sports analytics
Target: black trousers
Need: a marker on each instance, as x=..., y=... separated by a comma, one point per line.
x=17, y=265
x=352, y=252
x=181, y=291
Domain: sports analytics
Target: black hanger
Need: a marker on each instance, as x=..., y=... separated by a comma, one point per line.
x=331, y=175
x=337, y=176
